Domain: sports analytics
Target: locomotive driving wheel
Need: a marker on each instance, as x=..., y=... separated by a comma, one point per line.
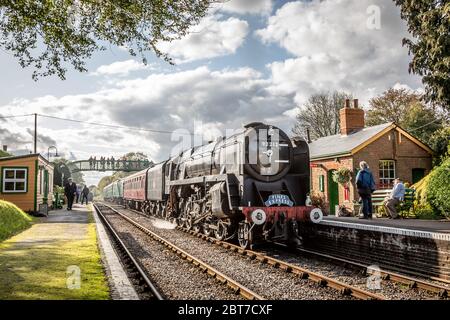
x=196, y=227
x=244, y=235
x=221, y=232
x=206, y=230
x=188, y=223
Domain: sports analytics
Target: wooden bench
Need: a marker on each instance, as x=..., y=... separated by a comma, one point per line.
x=379, y=195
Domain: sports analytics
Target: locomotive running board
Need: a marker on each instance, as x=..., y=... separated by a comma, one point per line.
x=230, y=180
x=212, y=178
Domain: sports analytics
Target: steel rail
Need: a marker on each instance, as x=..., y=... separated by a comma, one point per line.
x=211, y=271
x=155, y=292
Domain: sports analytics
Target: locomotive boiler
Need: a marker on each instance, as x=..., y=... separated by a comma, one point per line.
x=251, y=185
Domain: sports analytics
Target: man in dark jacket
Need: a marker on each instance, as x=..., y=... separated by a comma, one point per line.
x=366, y=186
x=70, y=190
x=84, y=194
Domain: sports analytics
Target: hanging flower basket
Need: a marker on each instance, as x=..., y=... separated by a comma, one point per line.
x=342, y=176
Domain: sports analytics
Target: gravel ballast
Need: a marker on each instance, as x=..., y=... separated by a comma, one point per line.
x=265, y=280
x=176, y=278
x=271, y=282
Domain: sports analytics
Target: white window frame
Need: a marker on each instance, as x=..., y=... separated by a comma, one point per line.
x=385, y=169
x=14, y=180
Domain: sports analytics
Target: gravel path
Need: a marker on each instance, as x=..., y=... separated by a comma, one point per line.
x=178, y=279
x=267, y=281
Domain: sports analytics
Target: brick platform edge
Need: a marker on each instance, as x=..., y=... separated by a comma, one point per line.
x=408, y=251
x=120, y=285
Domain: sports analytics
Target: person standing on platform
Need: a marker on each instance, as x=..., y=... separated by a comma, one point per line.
x=70, y=190
x=366, y=186
x=397, y=195
x=84, y=195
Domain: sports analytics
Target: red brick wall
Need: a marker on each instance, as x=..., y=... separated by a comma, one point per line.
x=394, y=146
x=323, y=167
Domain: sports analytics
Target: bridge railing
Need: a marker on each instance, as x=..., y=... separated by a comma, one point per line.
x=109, y=165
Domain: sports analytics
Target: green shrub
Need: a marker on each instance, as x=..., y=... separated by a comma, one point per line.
x=438, y=190
x=12, y=220
x=318, y=200
x=425, y=211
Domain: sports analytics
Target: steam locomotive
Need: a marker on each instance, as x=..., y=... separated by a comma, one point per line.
x=252, y=185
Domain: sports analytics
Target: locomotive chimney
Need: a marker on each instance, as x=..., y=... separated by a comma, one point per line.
x=351, y=119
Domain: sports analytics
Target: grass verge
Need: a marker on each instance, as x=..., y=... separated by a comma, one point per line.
x=43, y=263
x=12, y=220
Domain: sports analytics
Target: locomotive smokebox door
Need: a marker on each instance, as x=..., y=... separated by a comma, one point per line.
x=219, y=199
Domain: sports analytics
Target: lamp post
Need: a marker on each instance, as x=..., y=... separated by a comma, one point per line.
x=48, y=152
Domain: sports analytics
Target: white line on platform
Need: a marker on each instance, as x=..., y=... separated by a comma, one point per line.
x=400, y=231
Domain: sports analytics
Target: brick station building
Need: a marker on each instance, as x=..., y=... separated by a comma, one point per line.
x=389, y=150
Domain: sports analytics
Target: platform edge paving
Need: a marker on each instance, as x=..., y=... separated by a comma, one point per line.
x=393, y=230
x=121, y=287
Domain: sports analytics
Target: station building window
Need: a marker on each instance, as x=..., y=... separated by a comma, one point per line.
x=321, y=183
x=386, y=173
x=14, y=180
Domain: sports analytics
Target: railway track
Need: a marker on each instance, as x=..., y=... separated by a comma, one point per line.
x=386, y=275
x=302, y=273
x=144, y=286
x=235, y=286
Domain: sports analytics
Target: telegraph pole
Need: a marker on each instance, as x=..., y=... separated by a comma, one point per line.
x=35, y=133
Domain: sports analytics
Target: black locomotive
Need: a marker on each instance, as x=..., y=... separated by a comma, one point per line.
x=252, y=185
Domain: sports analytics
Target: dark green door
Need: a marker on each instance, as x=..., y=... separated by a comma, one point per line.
x=333, y=193
x=45, y=186
x=417, y=174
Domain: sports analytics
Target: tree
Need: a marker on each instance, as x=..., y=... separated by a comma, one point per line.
x=429, y=24
x=440, y=143
x=406, y=109
x=391, y=106
x=50, y=33
x=4, y=154
x=320, y=114
x=134, y=156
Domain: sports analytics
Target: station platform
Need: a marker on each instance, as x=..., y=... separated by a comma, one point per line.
x=400, y=226
x=56, y=258
x=417, y=247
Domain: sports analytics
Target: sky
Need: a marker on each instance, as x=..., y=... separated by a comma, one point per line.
x=248, y=60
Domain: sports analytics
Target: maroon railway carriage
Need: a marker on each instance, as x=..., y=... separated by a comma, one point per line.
x=134, y=187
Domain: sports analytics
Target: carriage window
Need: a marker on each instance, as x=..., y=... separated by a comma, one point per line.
x=14, y=180
x=386, y=173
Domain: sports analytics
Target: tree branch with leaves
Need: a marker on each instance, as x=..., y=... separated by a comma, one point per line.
x=48, y=35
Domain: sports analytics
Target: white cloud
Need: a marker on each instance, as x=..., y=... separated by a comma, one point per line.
x=247, y=6
x=211, y=38
x=121, y=68
x=334, y=49
x=220, y=99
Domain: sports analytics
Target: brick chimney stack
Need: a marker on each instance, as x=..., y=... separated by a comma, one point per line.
x=351, y=119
